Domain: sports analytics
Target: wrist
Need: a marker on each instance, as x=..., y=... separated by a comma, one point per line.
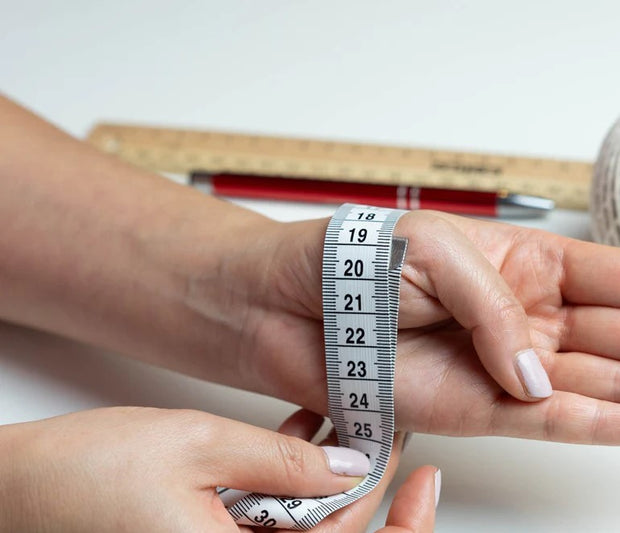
x=281, y=339
x=203, y=264
x=226, y=278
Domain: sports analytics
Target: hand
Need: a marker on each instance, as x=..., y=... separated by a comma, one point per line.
x=474, y=296
x=140, y=469
x=413, y=506
x=123, y=259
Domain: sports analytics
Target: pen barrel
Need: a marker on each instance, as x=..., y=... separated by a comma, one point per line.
x=477, y=203
x=320, y=191
x=305, y=190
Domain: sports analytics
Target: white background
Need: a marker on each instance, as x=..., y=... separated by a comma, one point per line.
x=526, y=78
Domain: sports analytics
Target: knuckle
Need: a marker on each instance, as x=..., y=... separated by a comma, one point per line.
x=194, y=426
x=291, y=452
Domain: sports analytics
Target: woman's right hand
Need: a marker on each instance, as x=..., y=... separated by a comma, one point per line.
x=143, y=469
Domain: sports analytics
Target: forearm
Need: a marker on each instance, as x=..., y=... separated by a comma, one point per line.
x=102, y=252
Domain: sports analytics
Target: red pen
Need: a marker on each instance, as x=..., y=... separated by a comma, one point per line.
x=490, y=204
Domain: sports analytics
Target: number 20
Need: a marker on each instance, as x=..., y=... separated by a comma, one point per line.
x=353, y=269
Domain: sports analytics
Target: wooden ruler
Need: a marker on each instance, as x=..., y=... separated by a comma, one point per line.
x=182, y=151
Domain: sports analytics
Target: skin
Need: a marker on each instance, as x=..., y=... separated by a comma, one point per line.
x=102, y=252
x=71, y=473
x=141, y=469
x=413, y=506
x=473, y=295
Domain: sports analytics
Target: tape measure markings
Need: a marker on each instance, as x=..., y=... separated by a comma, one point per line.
x=360, y=312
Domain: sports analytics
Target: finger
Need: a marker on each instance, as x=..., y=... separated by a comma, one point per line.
x=245, y=457
x=446, y=265
x=588, y=271
x=585, y=374
x=418, y=308
x=356, y=516
x=303, y=424
x=413, y=507
x=565, y=417
x=591, y=329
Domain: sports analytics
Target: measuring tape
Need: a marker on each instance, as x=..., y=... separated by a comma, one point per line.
x=184, y=151
x=362, y=263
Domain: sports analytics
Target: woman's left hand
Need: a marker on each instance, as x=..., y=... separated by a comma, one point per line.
x=481, y=304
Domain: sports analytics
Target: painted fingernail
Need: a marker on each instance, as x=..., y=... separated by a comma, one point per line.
x=346, y=461
x=437, y=486
x=533, y=376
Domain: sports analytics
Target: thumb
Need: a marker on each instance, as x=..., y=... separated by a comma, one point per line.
x=446, y=265
x=413, y=507
x=259, y=460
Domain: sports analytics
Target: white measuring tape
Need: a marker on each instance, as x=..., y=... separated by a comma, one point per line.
x=362, y=262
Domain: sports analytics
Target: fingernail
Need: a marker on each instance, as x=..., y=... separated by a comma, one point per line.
x=533, y=376
x=346, y=461
x=437, y=486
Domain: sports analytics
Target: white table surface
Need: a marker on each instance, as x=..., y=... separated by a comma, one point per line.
x=537, y=78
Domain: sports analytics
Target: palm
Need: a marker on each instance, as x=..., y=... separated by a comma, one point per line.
x=441, y=385
x=453, y=393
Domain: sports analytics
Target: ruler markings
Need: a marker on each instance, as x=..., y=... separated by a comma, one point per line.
x=183, y=151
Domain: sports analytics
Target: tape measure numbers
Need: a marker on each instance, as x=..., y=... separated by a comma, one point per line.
x=184, y=151
x=362, y=262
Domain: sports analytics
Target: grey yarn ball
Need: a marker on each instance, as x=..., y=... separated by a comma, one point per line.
x=605, y=191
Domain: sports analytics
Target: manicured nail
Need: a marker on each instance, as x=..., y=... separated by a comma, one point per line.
x=346, y=461
x=533, y=376
x=437, y=486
